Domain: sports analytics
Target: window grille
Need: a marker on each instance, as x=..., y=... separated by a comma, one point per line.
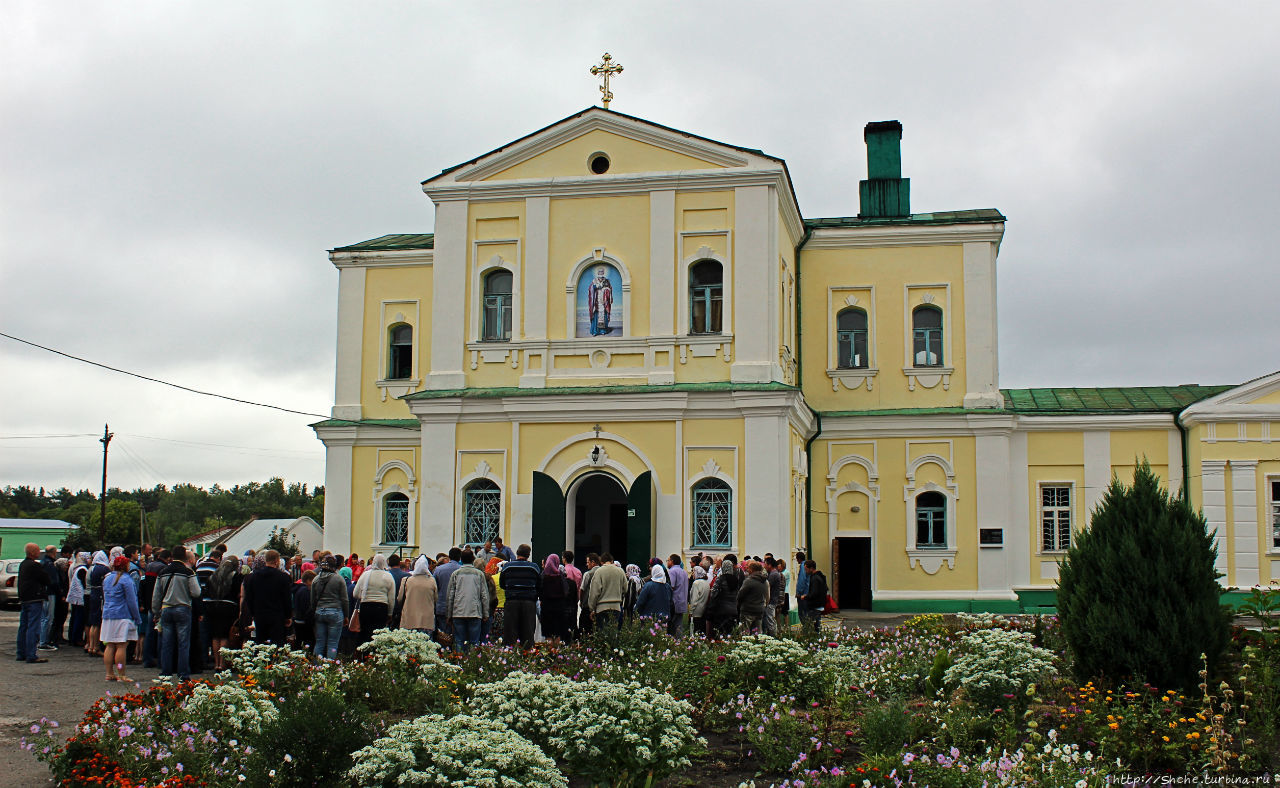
x=395, y=519
x=482, y=513
x=712, y=505
x=1055, y=518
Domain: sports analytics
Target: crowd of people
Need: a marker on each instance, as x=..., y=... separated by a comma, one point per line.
x=171, y=609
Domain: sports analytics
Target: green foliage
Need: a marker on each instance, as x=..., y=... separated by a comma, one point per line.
x=282, y=543
x=942, y=661
x=886, y=729
x=1138, y=594
x=296, y=749
x=997, y=666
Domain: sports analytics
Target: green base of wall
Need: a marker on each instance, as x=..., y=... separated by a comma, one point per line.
x=1003, y=606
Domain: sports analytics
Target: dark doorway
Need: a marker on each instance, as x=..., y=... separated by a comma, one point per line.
x=852, y=559
x=599, y=518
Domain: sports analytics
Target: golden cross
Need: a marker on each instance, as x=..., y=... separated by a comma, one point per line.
x=606, y=69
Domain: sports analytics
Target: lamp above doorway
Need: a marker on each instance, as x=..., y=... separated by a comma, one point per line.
x=597, y=453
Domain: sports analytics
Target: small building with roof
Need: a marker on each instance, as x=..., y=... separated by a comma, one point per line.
x=16, y=532
x=253, y=535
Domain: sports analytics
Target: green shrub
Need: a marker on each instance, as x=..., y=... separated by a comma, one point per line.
x=997, y=665
x=936, y=681
x=297, y=747
x=1138, y=593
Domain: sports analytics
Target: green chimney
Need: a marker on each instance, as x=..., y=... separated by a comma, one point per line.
x=885, y=194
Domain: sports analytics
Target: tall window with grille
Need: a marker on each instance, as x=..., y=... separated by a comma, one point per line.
x=496, y=318
x=1055, y=518
x=851, y=339
x=400, y=352
x=395, y=519
x=926, y=336
x=712, y=512
x=1275, y=514
x=931, y=520
x=706, y=294
x=482, y=512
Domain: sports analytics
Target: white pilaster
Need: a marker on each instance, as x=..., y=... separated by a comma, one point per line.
x=448, y=289
x=994, y=503
x=337, y=495
x=346, y=389
x=439, y=454
x=537, y=250
x=1175, y=480
x=980, y=345
x=1097, y=469
x=754, y=288
x=1017, y=537
x=1213, y=485
x=662, y=263
x=765, y=506
x=1244, y=520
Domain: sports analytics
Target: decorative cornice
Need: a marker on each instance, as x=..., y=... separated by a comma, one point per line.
x=392, y=258
x=906, y=235
x=1209, y=414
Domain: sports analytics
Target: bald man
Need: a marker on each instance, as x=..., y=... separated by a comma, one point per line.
x=33, y=585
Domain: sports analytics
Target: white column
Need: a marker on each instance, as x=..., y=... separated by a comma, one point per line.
x=1213, y=486
x=765, y=505
x=337, y=494
x=993, y=499
x=448, y=289
x=1017, y=537
x=1097, y=469
x=981, y=355
x=1244, y=520
x=435, y=502
x=755, y=285
x=1175, y=480
x=537, y=222
x=346, y=389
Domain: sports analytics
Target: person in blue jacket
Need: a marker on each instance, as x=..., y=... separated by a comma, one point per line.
x=655, y=597
x=121, y=619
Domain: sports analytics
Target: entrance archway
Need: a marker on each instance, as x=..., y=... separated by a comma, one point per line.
x=596, y=510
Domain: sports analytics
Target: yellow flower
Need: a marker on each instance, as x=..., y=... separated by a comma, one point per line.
x=1173, y=725
x=1110, y=717
x=1166, y=738
x=1113, y=725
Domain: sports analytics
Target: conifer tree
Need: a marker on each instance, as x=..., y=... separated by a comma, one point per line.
x=1138, y=594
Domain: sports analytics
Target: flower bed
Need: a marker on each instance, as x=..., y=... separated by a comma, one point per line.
x=939, y=701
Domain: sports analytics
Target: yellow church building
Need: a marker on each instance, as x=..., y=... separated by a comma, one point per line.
x=625, y=337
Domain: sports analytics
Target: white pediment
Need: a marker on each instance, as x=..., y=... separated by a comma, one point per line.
x=1258, y=399
x=709, y=152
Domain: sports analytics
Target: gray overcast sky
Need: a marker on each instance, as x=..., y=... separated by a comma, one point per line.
x=172, y=174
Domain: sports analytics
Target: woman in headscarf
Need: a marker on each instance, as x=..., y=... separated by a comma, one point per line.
x=722, y=605
x=77, y=591
x=555, y=596
x=222, y=604
x=417, y=600
x=491, y=578
x=120, y=617
x=655, y=598
x=633, y=591
x=375, y=592
x=97, y=573
x=699, y=592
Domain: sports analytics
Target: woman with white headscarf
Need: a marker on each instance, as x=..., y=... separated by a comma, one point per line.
x=77, y=595
x=655, y=598
x=97, y=573
x=375, y=592
x=699, y=592
x=417, y=601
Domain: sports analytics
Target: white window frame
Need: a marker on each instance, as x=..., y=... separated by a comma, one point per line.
x=930, y=559
x=1041, y=509
x=1273, y=515
x=380, y=493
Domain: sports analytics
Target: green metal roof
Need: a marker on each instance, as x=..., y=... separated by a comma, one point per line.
x=392, y=242
x=598, y=390
x=937, y=217
x=1138, y=399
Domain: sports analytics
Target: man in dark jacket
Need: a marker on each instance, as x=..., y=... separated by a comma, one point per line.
x=521, y=579
x=49, y=565
x=268, y=592
x=151, y=644
x=777, y=588
x=33, y=583
x=815, y=600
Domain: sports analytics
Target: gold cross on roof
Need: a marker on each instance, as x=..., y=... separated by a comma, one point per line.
x=606, y=69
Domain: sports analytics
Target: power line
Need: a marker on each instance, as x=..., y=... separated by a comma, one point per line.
x=188, y=389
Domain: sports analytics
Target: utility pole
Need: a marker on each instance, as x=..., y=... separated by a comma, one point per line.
x=105, y=440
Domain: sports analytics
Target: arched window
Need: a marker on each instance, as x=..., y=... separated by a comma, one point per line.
x=482, y=512
x=496, y=317
x=931, y=520
x=706, y=293
x=926, y=336
x=395, y=519
x=712, y=509
x=851, y=339
x=400, y=352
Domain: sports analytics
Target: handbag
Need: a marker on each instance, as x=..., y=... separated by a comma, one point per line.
x=235, y=638
x=830, y=606
x=353, y=624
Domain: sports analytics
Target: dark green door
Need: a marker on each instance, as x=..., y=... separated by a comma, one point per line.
x=640, y=521
x=548, y=517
